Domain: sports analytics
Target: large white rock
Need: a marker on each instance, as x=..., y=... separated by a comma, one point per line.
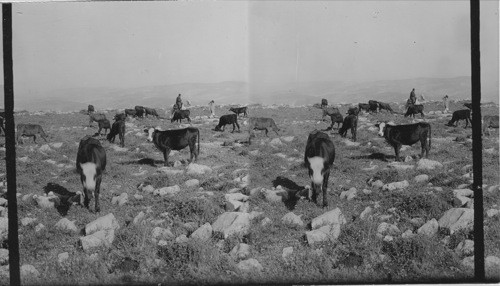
x=328, y=232
x=396, y=186
x=292, y=219
x=167, y=191
x=170, y=171
x=387, y=229
x=103, y=223
x=139, y=218
x=65, y=224
x=230, y=223
x=365, y=213
x=287, y=138
x=332, y=217
x=276, y=141
x=192, y=183
x=240, y=251
x=464, y=192
x=349, y=194
x=28, y=270
x=465, y=248
x=120, y=200
x=430, y=228
x=421, y=178
x=236, y=197
x=203, y=233
x=457, y=218
x=426, y=164
x=249, y=265
x=99, y=238
x=197, y=169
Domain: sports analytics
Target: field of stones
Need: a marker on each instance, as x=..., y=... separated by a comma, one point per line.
x=239, y=214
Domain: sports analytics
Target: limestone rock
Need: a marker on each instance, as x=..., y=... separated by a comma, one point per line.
x=328, y=232
x=249, y=265
x=333, y=217
x=230, y=223
x=457, y=218
x=430, y=228
x=292, y=219
x=197, y=169
x=103, y=223
x=203, y=233
x=65, y=224
x=240, y=251
x=426, y=164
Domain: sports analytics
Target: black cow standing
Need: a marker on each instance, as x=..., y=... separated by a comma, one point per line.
x=463, y=114
x=385, y=106
x=90, y=164
x=414, y=109
x=239, y=110
x=350, y=122
x=90, y=109
x=318, y=158
x=140, y=111
x=227, y=119
x=118, y=128
x=103, y=124
x=176, y=139
x=364, y=106
x=374, y=105
x=30, y=130
x=181, y=114
x=150, y=111
x=130, y=112
x=409, y=134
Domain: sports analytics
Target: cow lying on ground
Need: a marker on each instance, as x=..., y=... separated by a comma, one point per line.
x=96, y=117
x=489, y=121
x=414, y=109
x=30, y=130
x=118, y=128
x=227, y=119
x=318, y=158
x=409, y=134
x=130, y=112
x=385, y=106
x=261, y=123
x=181, y=114
x=239, y=110
x=350, y=122
x=140, y=111
x=103, y=124
x=374, y=105
x=150, y=111
x=463, y=114
x=364, y=106
x=176, y=139
x=90, y=164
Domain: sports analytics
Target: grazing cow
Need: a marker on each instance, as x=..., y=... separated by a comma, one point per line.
x=176, y=139
x=385, y=106
x=30, y=130
x=150, y=111
x=118, y=128
x=90, y=109
x=324, y=102
x=140, y=111
x=103, y=124
x=261, y=123
x=130, y=112
x=120, y=116
x=350, y=122
x=227, y=119
x=463, y=114
x=318, y=158
x=90, y=164
x=489, y=121
x=96, y=117
x=239, y=110
x=414, y=109
x=181, y=114
x=409, y=134
x=336, y=118
x=374, y=105
x=364, y=106
x=468, y=105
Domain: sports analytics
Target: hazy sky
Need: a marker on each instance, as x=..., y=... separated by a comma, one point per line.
x=132, y=44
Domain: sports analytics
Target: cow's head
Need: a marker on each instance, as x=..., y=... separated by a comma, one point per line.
x=149, y=132
x=316, y=172
x=381, y=128
x=89, y=177
x=217, y=128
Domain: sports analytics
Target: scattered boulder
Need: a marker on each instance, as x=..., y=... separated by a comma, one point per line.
x=377, y=184
x=465, y=248
x=430, y=228
x=230, y=223
x=106, y=222
x=333, y=217
x=329, y=232
x=349, y=195
x=66, y=225
x=292, y=219
x=4, y=228
x=160, y=233
x=28, y=270
x=240, y=251
x=192, y=183
x=396, y=186
x=139, y=218
x=203, y=233
x=421, y=178
x=457, y=218
x=387, y=229
x=4, y=256
x=99, y=238
x=120, y=200
x=62, y=258
x=249, y=265
x=276, y=141
x=197, y=169
x=365, y=213
x=426, y=164
x=492, y=212
x=27, y=221
x=287, y=251
x=167, y=191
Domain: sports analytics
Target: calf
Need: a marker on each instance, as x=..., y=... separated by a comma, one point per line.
x=374, y=105
x=261, y=123
x=176, y=139
x=118, y=128
x=463, y=114
x=90, y=109
x=414, y=109
x=364, y=106
x=103, y=124
x=150, y=111
x=489, y=121
x=96, y=117
x=318, y=158
x=130, y=112
x=227, y=119
x=409, y=134
x=385, y=106
x=140, y=111
x=181, y=114
x=239, y=110
x=350, y=122
x=90, y=164
x=30, y=130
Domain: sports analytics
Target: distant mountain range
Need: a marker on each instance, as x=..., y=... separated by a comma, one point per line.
x=241, y=93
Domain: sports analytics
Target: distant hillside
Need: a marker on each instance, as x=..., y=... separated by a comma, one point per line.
x=240, y=93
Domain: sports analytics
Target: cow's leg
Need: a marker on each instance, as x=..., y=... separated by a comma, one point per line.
x=34, y=138
x=86, y=199
x=43, y=137
x=165, y=156
x=396, y=150
x=238, y=126
x=96, y=194
x=325, y=188
x=353, y=132
x=266, y=132
x=122, y=140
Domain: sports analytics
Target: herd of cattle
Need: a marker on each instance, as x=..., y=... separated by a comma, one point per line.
x=319, y=152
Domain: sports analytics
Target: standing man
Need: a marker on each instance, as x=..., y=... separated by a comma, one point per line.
x=211, y=107
x=178, y=102
x=446, y=104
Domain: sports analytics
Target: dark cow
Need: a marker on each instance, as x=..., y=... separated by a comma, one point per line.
x=30, y=130
x=103, y=124
x=90, y=164
x=324, y=102
x=239, y=110
x=489, y=121
x=118, y=128
x=468, y=105
x=90, y=109
x=385, y=106
x=354, y=110
x=463, y=114
x=130, y=112
x=336, y=118
x=350, y=122
x=150, y=111
x=176, y=139
x=318, y=158
x=374, y=105
x=409, y=134
x=96, y=117
x=329, y=111
x=140, y=111
x=227, y=119
x=261, y=123
x=364, y=106
x=414, y=109
x=120, y=116
x=181, y=114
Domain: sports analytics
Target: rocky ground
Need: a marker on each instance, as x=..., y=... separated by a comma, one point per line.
x=239, y=213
